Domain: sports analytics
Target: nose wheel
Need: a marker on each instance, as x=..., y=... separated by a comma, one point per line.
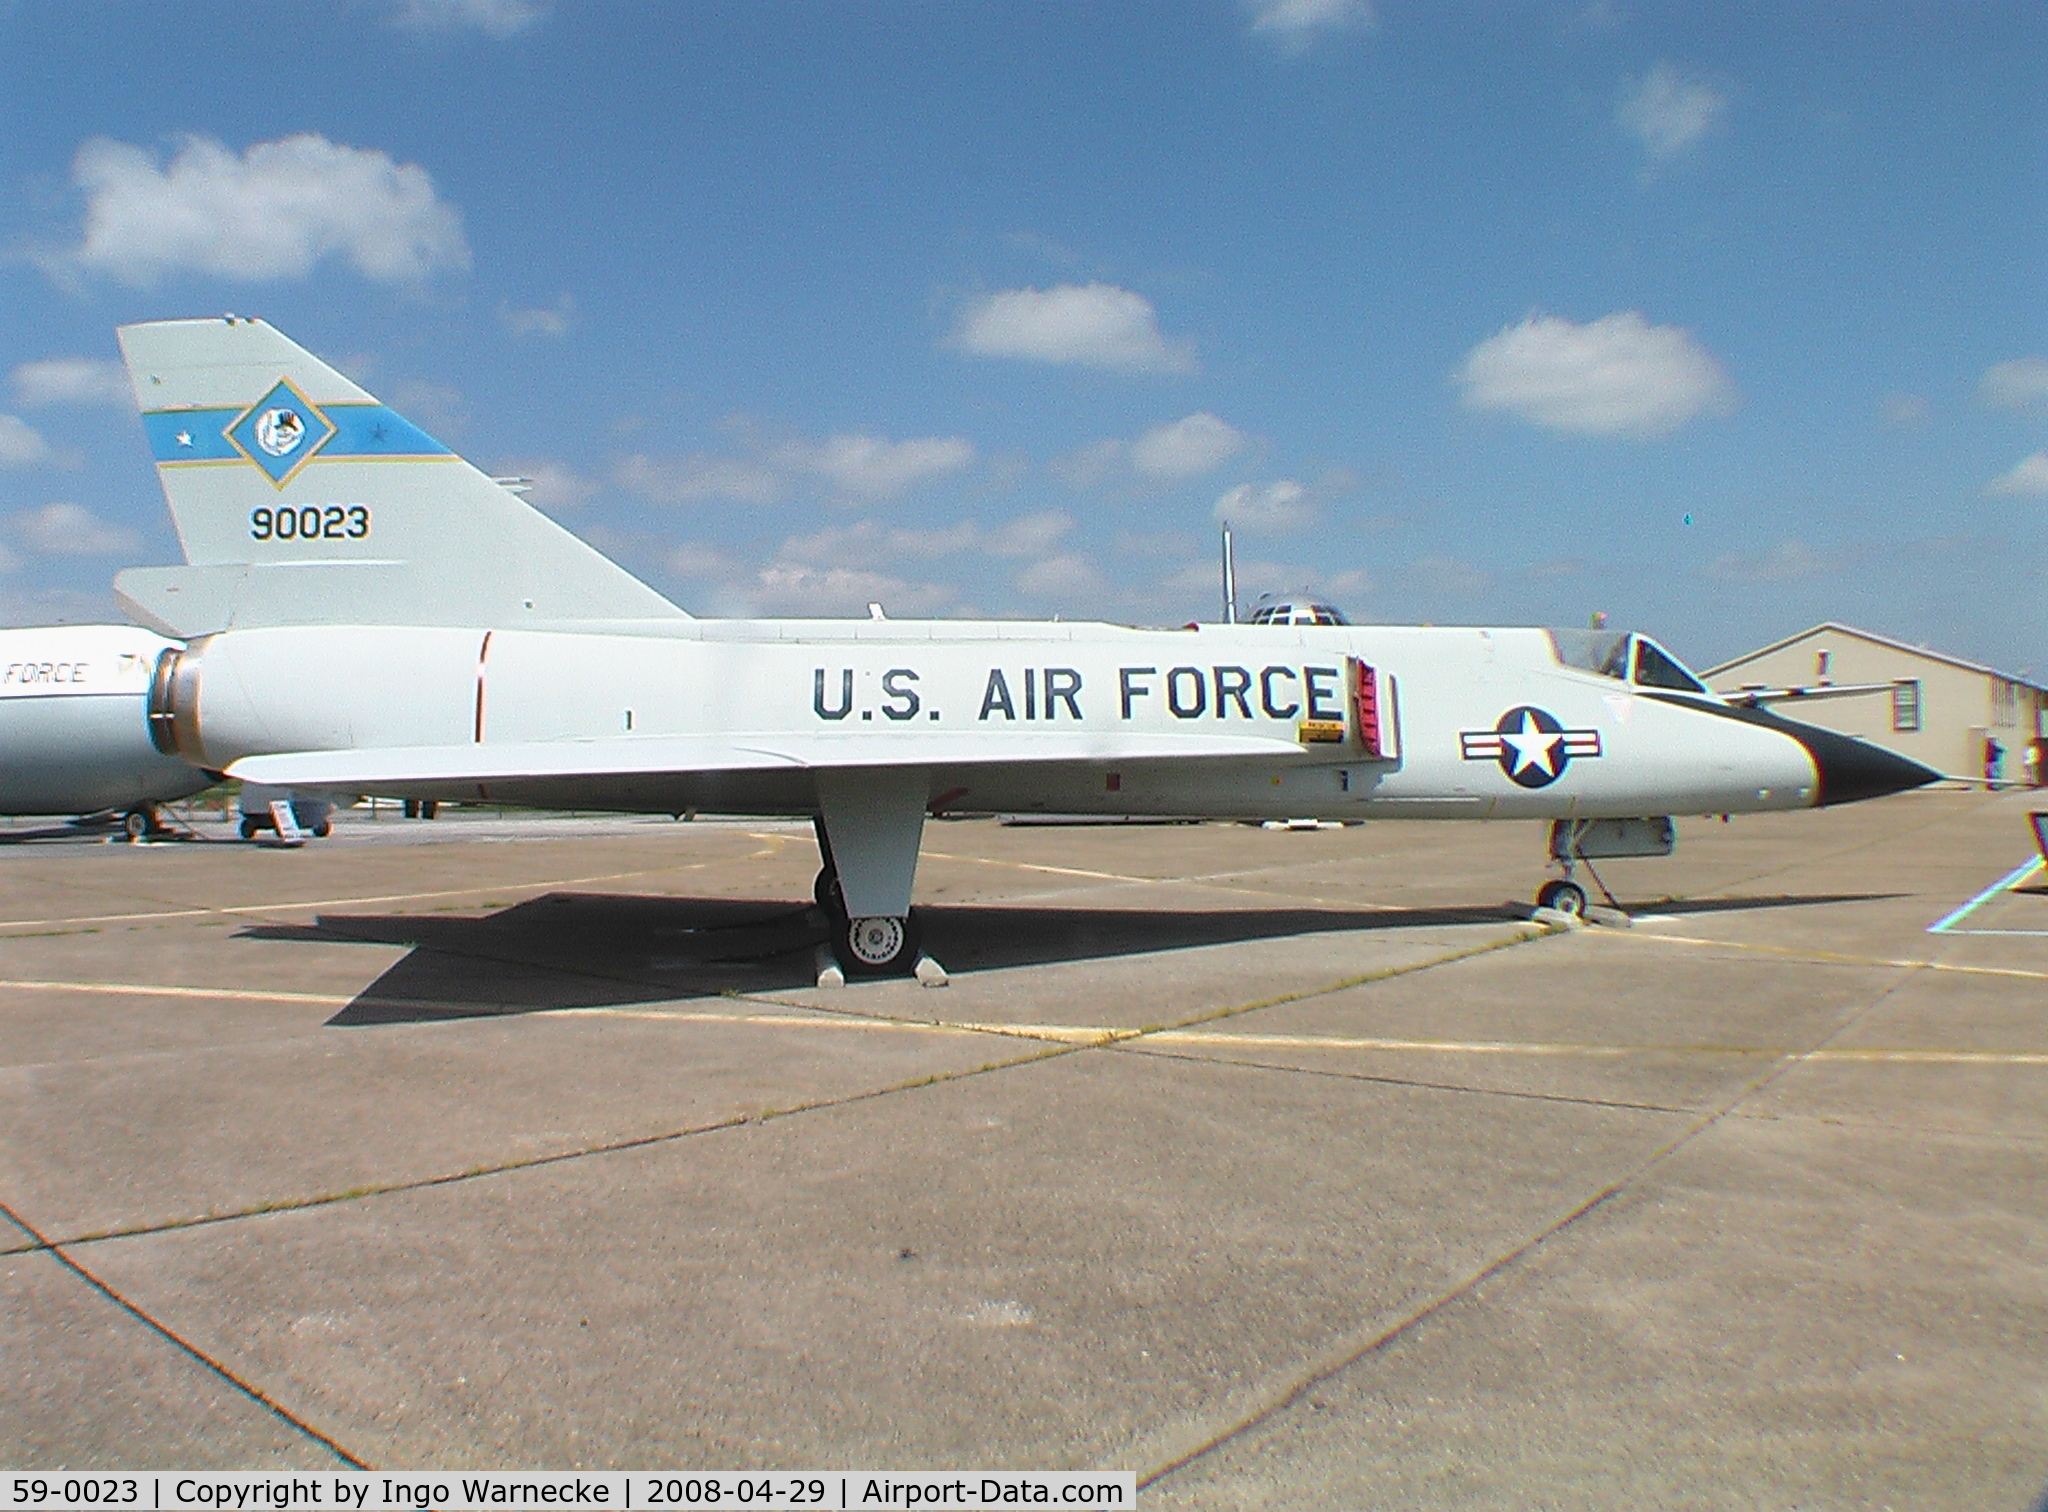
x=1563, y=895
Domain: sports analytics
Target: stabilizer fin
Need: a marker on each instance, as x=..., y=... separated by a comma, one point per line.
x=270, y=459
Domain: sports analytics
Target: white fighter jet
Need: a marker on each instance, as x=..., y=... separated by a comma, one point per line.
x=365, y=612
x=74, y=739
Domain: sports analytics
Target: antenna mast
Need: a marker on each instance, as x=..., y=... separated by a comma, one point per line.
x=1229, y=577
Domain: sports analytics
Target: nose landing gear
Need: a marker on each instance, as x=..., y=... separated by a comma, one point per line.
x=1563, y=895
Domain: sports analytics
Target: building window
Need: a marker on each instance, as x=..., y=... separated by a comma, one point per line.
x=1906, y=706
x=2005, y=703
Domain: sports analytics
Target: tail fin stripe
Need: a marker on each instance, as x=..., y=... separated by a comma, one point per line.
x=191, y=435
x=361, y=430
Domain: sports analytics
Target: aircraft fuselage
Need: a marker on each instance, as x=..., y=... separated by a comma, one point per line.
x=73, y=737
x=1477, y=723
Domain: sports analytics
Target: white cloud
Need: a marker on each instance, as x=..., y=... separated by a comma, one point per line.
x=1094, y=325
x=71, y=530
x=2029, y=477
x=1296, y=23
x=1788, y=561
x=1094, y=463
x=818, y=592
x=1028, y=535
x=1280, y=505
x=857, y=465
x=494, y=18
x=2020, y=384
x=1618, y=376
x=1904, y=411
x=273, y=212
x=1068, y=576
x=865, y=543
x=697, y=479
x=1668, y=112
x=551, y=485
x=872, y=468
x=1169, y=453
x=73, y=380
x=698, y=559
x=1187, y=447
x=548, y=320
x=20, y=446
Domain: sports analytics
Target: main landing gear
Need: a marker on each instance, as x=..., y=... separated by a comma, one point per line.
x=869, y=823
x=880, y=945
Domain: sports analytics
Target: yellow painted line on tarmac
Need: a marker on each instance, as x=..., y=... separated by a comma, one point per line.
x=1566, y=1048
x=1085, y=1034
x=239, y=909
x=147, y=989
x=1038, y=866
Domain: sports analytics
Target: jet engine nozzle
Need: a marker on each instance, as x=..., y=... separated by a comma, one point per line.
x=174, y=704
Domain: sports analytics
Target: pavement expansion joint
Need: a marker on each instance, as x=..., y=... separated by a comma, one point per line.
x=1420, y=1084
x=1281, y=1397
x=269, y=1404
x=1053, y=1044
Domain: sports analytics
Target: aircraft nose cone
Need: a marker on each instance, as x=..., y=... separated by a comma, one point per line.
x=1852, y=769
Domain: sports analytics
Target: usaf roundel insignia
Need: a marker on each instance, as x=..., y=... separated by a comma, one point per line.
x=1532, y=747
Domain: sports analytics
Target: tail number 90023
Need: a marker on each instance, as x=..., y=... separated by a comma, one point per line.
x=311, y=522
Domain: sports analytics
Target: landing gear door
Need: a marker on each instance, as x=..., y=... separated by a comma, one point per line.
x=1373, y=707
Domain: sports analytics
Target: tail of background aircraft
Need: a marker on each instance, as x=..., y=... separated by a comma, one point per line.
x=299, y=499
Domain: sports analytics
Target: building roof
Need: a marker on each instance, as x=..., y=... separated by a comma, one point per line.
x=1833, y=627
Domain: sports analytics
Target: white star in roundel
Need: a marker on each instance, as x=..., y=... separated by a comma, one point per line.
x=184, y=438
x=1532, y=746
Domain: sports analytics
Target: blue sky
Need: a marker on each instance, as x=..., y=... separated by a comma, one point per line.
x=1722, y=320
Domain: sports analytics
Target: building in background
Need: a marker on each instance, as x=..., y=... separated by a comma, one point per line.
x=1954, y=715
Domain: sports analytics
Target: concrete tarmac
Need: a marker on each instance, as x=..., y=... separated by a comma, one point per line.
x=1285, y=1169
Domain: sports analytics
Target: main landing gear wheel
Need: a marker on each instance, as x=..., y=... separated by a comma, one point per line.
x=138, y=824
x=1565, y=897
x=826, y=891
x=879, y=946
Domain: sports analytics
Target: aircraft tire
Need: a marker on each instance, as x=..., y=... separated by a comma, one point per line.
x=135, y=824
x=1565, y=897
x=879, y=947
x=825, y=891
x=322, y=830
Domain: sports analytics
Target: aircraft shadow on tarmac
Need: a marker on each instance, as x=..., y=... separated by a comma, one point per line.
x=594, y=950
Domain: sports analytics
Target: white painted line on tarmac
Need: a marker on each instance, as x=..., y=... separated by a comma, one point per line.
x=1948, y=922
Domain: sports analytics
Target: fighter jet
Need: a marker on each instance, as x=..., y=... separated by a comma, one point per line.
x=74, y=741
x=365, y=612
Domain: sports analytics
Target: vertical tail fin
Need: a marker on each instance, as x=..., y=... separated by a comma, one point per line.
x=301, y=499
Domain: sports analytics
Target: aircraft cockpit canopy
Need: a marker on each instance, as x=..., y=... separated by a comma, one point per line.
x=1625, y=658
x=1295, y=612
